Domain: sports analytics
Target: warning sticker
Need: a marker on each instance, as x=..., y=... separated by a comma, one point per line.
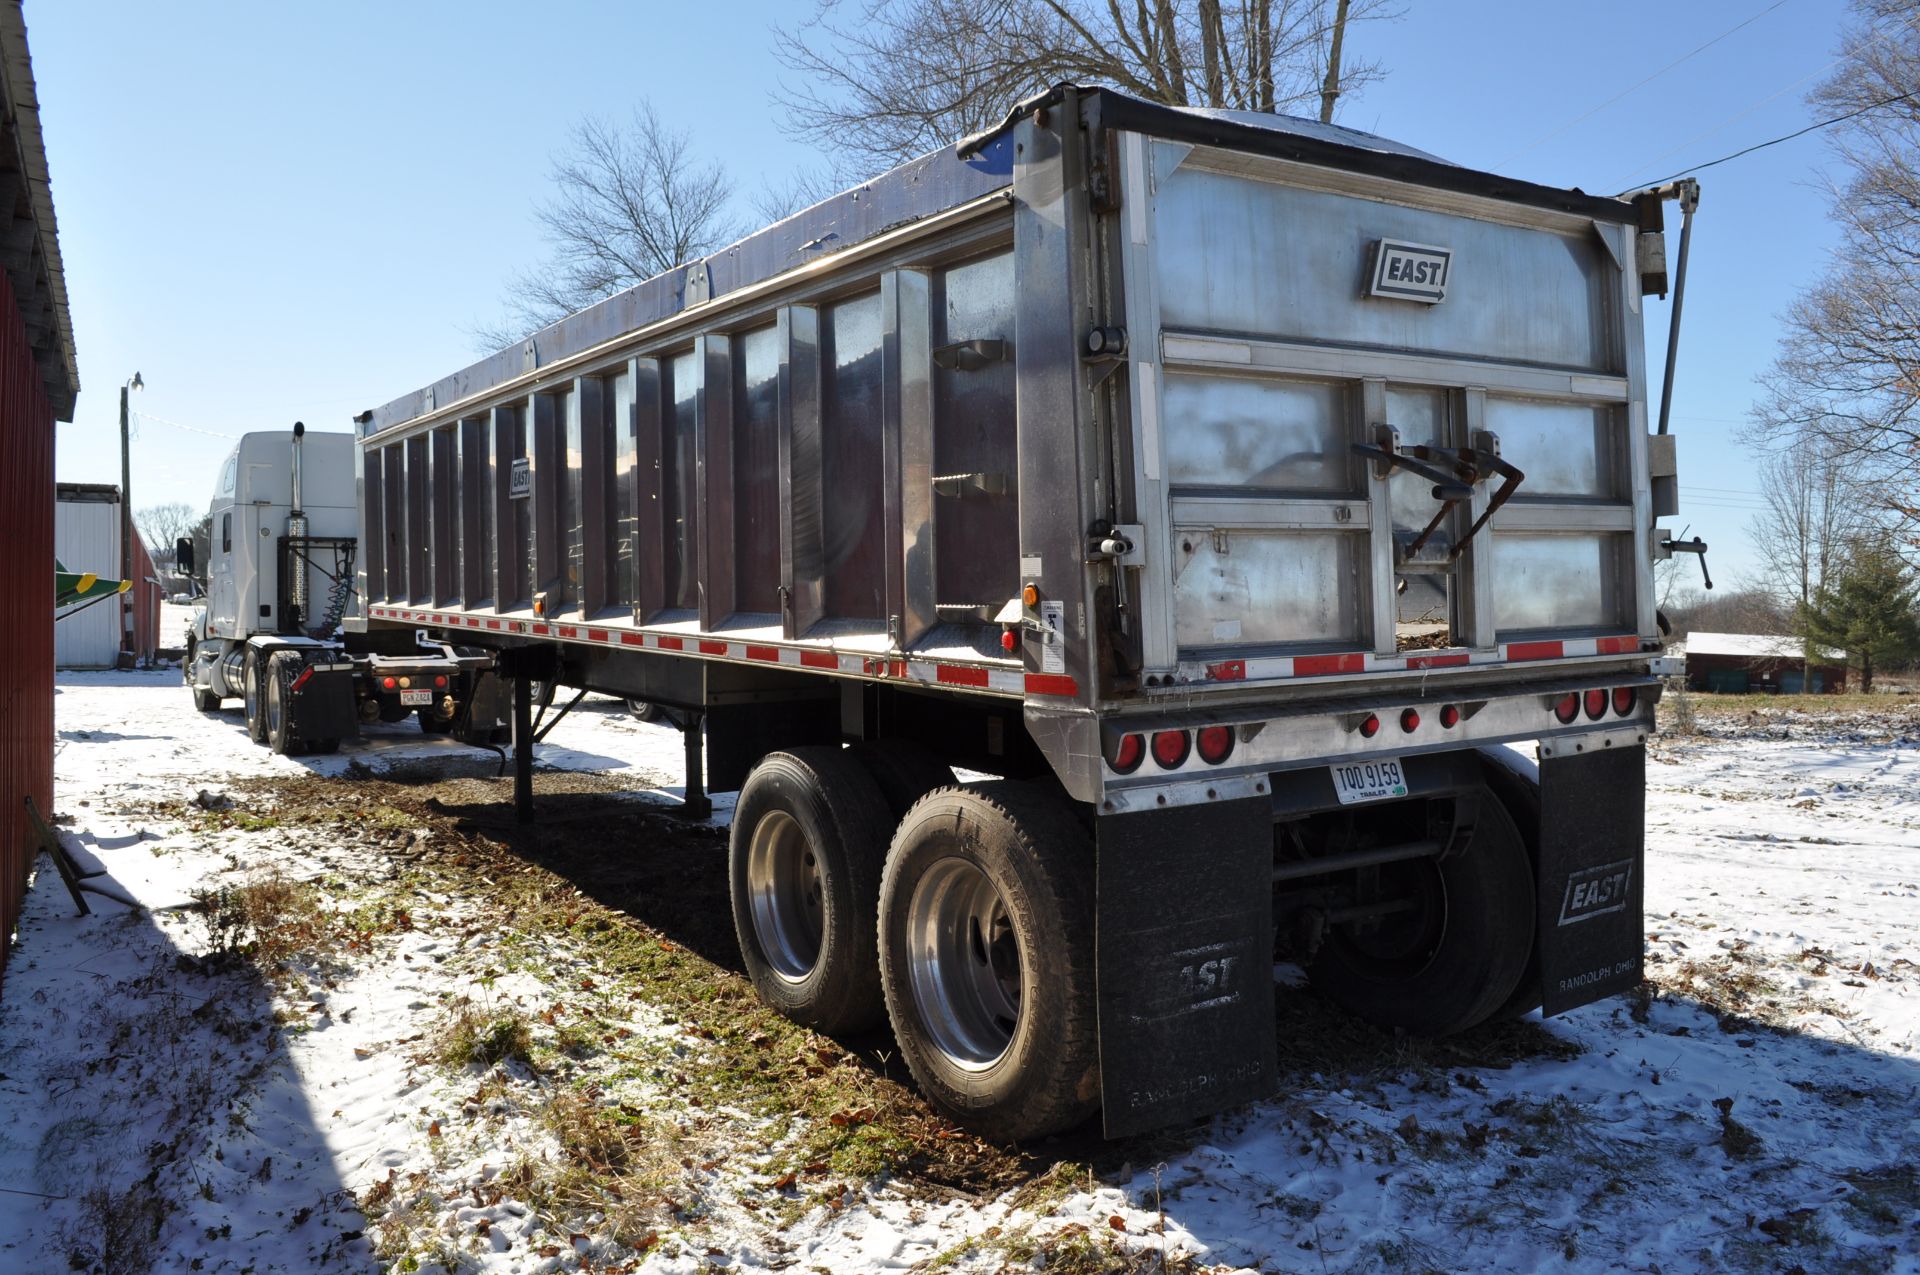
x=1053, y=636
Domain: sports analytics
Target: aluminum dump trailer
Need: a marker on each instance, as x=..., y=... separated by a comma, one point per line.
x=1235, y=488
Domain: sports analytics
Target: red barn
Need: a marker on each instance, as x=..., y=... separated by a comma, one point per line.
x=1740, y=662
x=38, y=382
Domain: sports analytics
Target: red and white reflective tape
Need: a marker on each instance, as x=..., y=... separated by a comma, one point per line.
x=1260, y=669
x=994, y=681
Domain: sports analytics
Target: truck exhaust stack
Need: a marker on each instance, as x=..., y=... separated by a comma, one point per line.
x=296, y=528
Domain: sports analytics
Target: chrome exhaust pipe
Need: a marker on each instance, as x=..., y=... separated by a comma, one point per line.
x=297, y=527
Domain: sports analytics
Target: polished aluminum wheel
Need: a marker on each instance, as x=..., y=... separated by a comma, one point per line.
x=276, y=709
x=786, y=895
x=964, y=961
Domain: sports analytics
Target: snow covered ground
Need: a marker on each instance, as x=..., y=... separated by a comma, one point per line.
x=349, y=1026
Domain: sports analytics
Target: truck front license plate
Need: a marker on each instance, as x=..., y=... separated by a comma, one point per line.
x=1357, y=781
x=426, y=697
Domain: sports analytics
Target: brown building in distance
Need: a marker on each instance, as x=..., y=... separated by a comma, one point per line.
x=1736, y=663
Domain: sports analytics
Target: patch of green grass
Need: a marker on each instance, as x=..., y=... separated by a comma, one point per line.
x=483, y=1034
x=247, y=821
x=761, y=1063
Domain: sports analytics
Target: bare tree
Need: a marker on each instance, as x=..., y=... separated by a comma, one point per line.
x=1812, y=512
x=885, y=80
x=1847, y=378
x=161, y=525
x=632, y=201
x=1728, y=611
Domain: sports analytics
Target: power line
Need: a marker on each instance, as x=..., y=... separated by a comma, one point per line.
x=1775, y=141
x=1872, y=36
x=1737, y=115
x=191, y=429
x=1581, y=118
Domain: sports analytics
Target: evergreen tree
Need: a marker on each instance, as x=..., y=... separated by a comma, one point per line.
x=1867, y=610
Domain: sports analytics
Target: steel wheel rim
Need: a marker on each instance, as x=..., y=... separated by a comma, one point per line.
x=273, y=707
x=1402, y=951
x=787, y=895
x=251, y=687
x=965, y=964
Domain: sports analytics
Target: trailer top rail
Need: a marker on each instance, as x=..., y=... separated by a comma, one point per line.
x=972, y=169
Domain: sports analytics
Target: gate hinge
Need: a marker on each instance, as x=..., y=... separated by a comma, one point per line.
x=1123, y=544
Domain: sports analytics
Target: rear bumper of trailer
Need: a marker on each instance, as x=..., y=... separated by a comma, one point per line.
x=1186, y=921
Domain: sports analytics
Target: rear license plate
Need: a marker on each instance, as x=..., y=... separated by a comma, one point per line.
x=1358, y=781
x=426, y=697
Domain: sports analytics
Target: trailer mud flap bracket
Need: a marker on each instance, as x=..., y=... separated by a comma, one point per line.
x=1591, y=882
x=1184, y=962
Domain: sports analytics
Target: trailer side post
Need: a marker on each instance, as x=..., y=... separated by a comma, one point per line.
x=696, y=804
x=522, y=744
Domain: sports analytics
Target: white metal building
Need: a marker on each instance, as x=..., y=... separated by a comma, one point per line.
x=86, y=537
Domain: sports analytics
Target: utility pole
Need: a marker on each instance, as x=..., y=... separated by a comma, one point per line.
x=126, y=524
x=1330, y=88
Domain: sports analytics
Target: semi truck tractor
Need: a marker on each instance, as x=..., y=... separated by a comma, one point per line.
x=280, y=580
x=1233, y=492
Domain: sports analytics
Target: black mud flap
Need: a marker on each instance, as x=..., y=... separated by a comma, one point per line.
x=1184, y=962
x=323, y=708
x=489, y=708
x=1593, y=823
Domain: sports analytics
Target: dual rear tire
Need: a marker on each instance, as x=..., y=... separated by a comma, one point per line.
x=982, y=957
x=1460, y=956
x=808, y=842
x=986, y=958
x=867, y=886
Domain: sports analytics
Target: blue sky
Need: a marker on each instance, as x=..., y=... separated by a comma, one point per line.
x=279, y=212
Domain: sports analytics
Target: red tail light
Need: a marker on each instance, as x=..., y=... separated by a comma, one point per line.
x=1215, y=744
x=1567, y=708
x=1596, y=704
x=306, y=675
x=388, y=682
x=1409, y=721
x=440, y=681
x=1370, y=727
x=1449, y=717
x=1128, y=754
x=1624, y=698
x=1170, y=748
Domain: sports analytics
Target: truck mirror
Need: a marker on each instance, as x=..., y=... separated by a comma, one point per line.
x=183, y=556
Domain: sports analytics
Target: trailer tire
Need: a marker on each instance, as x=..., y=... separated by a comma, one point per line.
x=432, y=723
x=281, y=735
x=642, y=710
x=1479, y=946
x=1020, y=858
x=803, y=866
x=905, y=771
x=1520, y=791
x=206, y=701
x=255, y=710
